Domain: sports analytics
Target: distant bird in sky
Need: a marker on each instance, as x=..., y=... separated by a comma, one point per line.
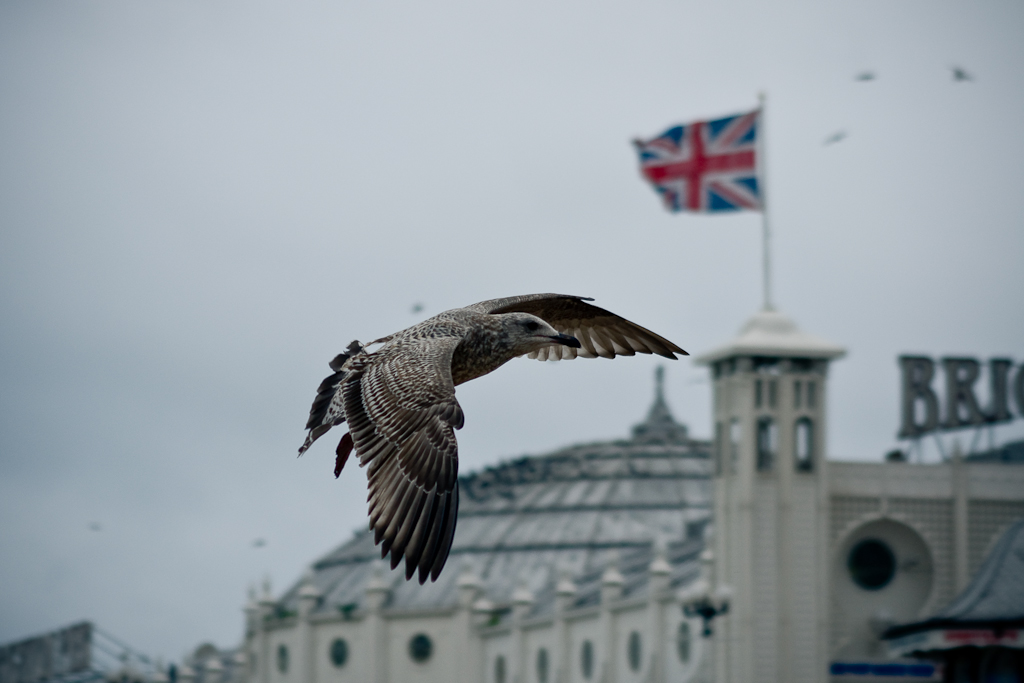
x=865, y=76
x=838, y=136
x=399, y=402
x=95, y=526
x=959, y=74
x=417, y=307
x=259, y=543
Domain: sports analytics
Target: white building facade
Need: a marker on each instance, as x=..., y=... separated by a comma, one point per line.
x=564, y=568
x=575, y=566
x=822, y=557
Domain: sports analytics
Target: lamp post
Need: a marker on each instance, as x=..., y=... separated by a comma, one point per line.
x=699, y=600
x=707, y=605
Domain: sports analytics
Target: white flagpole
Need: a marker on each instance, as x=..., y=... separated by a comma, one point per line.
x=762, y=186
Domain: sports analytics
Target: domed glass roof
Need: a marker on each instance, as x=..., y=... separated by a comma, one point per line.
x=573, y=511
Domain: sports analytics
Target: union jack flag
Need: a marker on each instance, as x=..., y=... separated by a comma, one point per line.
x=708, y=166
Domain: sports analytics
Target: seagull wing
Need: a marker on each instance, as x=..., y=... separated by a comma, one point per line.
x=601, y=332
x=402, y=413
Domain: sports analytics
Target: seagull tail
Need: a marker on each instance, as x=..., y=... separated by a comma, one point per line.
x=326, y=412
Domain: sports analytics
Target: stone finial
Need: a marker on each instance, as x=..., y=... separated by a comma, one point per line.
x=309, y=594
x=377, y=588
x=309, y=583
x=483, y=605
x=267, y=596
x=612, y=580
x=522, y=599
x=468, y=584
x=522, y=595
x=252, y=611
x=659, y=564
x=612, y=576
x=265, y=603
x=565, y=590
x=565, y=586
x=484, y=612
x=659, y=569
x=707, y=564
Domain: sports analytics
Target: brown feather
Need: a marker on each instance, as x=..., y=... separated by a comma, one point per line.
x=343, y=451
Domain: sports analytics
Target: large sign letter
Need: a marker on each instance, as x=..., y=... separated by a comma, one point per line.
x=999, y=374
x=961, y=374
x=1018, y=390
x=917, y=386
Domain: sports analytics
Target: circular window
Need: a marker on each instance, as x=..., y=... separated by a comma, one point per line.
x=683, y=642
x=420, y=647
x=872, y=564
x=499, y=669
x=282, y=658
x=587, y=659
x=339, y=652
x=633, y=651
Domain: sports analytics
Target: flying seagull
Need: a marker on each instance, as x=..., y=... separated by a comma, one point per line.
x=865, y=76
x=959, y=74
x=838, y=136
x=399, y=402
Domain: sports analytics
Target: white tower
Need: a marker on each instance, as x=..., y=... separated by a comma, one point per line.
x=771, y=501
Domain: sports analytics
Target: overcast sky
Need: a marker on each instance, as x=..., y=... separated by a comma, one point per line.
x=201, y=202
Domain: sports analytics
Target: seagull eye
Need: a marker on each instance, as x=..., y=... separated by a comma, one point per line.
x=532, y=326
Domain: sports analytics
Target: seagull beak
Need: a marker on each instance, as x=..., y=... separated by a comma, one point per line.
x=566, y=340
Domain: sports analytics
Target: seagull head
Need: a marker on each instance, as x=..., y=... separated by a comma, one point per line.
x=529, y=333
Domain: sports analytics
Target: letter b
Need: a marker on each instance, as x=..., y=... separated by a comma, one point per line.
x=917, y=380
